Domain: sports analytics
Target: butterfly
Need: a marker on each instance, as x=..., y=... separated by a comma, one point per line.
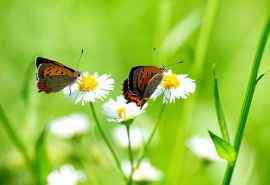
x=53, y=76
x=141, y=83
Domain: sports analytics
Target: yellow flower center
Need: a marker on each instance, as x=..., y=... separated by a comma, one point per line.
x=170, y=81
x=88, y=83
x=121, y=112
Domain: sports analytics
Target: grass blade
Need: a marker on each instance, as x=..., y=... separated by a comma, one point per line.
x=219, y=111
x=14, y=137
x=205, y=33
x=248, y=99
x=180, y=33
x=41, y=160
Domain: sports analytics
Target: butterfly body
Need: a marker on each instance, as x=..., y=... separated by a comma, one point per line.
x=141, y=83
x=53, y=76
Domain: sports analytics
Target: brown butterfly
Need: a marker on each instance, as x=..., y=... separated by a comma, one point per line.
x=141, y=83
x=53, y=76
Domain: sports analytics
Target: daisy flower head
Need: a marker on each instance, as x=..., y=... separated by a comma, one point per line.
x=90, y=87
x=70, y=126
x=137, y=136
x=66, y=175
x=146, y=172
x=203, y=148
x=174, y=86
x=120, y=110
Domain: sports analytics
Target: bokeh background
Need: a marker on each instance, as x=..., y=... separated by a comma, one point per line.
x=117, y=35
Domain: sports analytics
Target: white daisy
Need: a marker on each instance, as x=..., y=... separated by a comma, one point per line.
x=119, y=110
x=203, y=148
x=70, y=126
x=66, y=175
x=137, y=136
x=144, y=173
x=89, y=88
x=174, y=86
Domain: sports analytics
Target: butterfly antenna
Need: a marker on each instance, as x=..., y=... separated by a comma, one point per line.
x=80, y=58
x=170, y=65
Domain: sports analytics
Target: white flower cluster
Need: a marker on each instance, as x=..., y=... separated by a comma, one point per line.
x=70, y=126
x=144, y=173
x=66, y=175
x=120, y=110
x=174, y=86
x=203, y=148
x=89, y=88
x=93, y=87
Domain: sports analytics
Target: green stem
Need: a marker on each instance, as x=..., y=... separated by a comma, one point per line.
x=130, y=180
x=248, y=99
x=15, y=139
x=106, y=140
x=151, y=136
x=219, y=111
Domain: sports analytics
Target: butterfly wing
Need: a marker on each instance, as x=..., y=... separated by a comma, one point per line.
x=47, y=67
x=57, y=83
x=53, y=76
x=140, y=77
x=129, y=95
x=152, y=85
x=137, y=88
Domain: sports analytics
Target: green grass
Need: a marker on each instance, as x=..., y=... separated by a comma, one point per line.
x=253, y=79
x=117, y=35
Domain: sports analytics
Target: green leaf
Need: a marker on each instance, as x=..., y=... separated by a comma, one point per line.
x=42, y=165
x=28, y=78
x=259, y=78
x=219, y=110
x=224, y=149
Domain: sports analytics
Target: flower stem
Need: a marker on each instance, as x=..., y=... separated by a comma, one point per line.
x=151, y=137
x=130, y=180
x=15, y=139
x=248, y=99
x=106, y=140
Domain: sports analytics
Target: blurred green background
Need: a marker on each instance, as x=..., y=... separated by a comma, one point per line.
x=117, y=35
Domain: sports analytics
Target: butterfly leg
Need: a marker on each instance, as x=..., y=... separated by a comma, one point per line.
x=69, y=91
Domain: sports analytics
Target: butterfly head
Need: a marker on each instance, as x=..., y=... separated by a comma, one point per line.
x=77, y=74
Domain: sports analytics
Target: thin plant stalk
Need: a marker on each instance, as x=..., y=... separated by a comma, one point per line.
x=130, y=180
x=247, y=100
x=145, y=148
x=15, y=139
x=106, y=140
x=219, y=111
